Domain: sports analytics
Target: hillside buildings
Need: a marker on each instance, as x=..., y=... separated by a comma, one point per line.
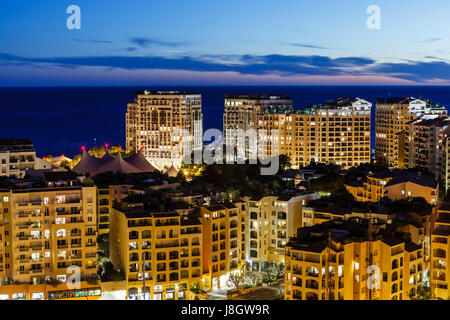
x=340, y=261
x=395, y=185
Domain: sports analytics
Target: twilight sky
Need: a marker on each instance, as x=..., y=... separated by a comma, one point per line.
x=135, y=42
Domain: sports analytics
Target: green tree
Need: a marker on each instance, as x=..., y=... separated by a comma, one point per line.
x=285, y=162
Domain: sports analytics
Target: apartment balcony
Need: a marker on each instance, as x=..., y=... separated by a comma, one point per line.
x=36, y=271
x=190, y=231
x=28, y=215
x=23, y=237
x=75, y=257
x=91, y=255
x=74, y=235
x=69, y=201
x=23, y=272
x=67, y=213
x=22, y=261
x=166, y=244
x=166, y=223
x=29, y=204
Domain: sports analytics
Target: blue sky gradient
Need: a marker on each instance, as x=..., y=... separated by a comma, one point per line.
x=224, y=42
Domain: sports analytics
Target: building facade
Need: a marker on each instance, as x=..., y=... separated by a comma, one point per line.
x=160, y=254
x=242, y=113
x=49, y=236
x=223, y=240
x=427, y=146
x=440, y=248
x=17, y=156
x=336, y=132
x=270, y=221
x=167, y=125
x=391, y=122
x=395, y=185
x=332, y=269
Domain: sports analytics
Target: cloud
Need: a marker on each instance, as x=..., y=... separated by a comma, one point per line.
x=310, y=46
x=146, y=42
x=433, y=39
x=415, y=71
x=93, y=41
x=255, y=65
x=247, y=64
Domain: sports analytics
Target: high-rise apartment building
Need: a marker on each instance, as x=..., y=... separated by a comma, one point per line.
x=17, y=156
x=424, y=144
x=427, y=146
x=336, y=132
x=168, y=125
x=49, y=235
x=391, y=122
x=241, y=114
x=334, y=262
x=440, y=249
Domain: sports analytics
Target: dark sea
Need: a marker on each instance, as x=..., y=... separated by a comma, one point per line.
x=61, y=120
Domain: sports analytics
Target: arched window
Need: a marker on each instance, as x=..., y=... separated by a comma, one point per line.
x=394, y=276
x=146, y=234
x=395, y=264
x=394, y=288
x=133, y=235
